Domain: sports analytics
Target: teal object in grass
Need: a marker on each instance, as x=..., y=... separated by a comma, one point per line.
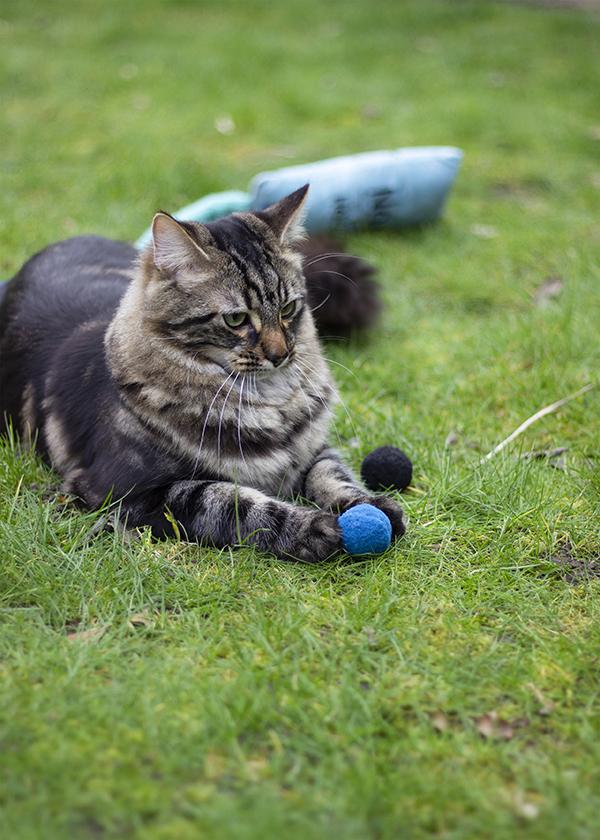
x=365, y=530
x=384, y=189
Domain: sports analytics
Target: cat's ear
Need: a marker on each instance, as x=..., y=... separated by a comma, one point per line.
x=285, y=218
x=174, y=246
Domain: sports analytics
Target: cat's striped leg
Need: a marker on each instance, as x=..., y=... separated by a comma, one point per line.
x=333, y=486
x=221, y=513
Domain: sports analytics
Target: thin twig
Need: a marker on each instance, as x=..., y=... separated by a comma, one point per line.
x=537, y=416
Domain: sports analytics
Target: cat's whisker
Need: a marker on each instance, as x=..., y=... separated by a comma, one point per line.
x=239, y=424
x=332, y=362
x=326, y=256
x=339, y=274
x=250, y=395
x=251, y=411
x=232, y=386
x=321, y=304
x=305, y=369
x=333, y=338
x=342, y=403
x=208, y=411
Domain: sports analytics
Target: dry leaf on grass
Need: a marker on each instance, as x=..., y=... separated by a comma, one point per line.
x=141, y=619
x=548, y=291
x=92, y=634
x=451, y=440
x=525, y=806
x=445, y=721
x=370, y=635
x=491, y=726
x=484, y=231
x=546, y=706
x=535, y=454
x=440, y=722
x=256, y=767
x=555, y=458
x=486, y=725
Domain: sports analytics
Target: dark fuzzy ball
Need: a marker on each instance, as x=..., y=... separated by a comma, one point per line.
x=385, y=467
x=342, y=291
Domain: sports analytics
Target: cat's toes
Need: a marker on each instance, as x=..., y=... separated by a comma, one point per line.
x=319, y=538
x=393, y=511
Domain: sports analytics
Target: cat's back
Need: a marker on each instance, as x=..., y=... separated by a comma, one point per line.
x=67, y=283
x=57, y=292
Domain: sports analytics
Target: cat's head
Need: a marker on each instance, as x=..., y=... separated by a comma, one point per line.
x=231, y=292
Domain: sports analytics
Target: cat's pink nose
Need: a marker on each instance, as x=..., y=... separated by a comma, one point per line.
x=274, y=347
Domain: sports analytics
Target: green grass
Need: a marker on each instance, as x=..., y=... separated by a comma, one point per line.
x=159, y=691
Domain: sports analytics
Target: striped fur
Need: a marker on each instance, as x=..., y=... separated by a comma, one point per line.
x=136, y=381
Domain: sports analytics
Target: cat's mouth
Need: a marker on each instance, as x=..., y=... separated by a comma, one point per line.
x=262, y=368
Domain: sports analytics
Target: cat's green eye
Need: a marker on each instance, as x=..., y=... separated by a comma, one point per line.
x=289, y=309
x=235, y=319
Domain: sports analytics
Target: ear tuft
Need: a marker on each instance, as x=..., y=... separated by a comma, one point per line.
x=285, y=218
x=174, y=247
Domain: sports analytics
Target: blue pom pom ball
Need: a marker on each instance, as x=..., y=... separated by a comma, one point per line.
x=365, y=530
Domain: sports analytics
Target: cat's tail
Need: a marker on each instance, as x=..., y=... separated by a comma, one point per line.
x=342, y=290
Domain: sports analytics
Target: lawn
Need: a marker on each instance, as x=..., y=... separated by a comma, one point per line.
x=449, y=688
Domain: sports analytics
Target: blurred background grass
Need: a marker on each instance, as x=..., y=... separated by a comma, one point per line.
x=110, y=108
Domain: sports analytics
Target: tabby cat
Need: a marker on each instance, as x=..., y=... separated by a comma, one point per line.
x=187, y=383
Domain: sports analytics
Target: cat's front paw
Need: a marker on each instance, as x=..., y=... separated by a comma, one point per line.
x=319, y=538
x=392, y=510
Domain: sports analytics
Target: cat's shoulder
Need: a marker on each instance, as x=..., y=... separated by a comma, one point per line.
x=88, y=251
